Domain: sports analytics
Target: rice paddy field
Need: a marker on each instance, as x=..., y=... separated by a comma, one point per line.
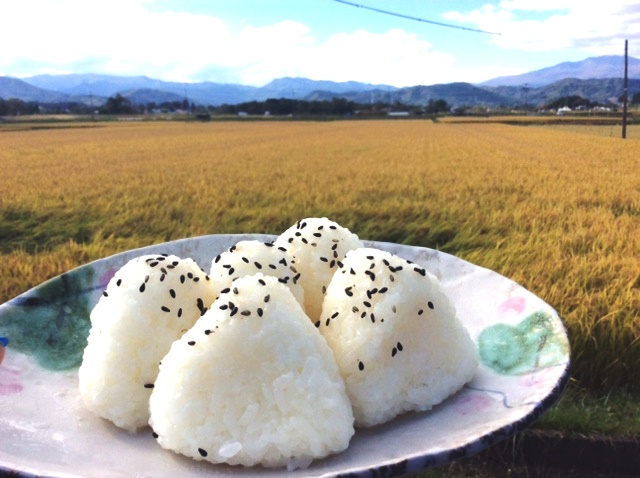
x=555, y=208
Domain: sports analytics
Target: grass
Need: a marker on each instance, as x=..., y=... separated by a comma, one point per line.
x=553, y=208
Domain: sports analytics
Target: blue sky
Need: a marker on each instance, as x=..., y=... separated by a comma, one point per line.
x=254, y=41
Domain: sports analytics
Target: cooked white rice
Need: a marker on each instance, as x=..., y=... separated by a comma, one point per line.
x=253, y=382
x=147, y=305
x=318, y=246
x=252, y=257
x=395, y=336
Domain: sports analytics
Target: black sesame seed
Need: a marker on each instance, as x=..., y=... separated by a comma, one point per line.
x=360, y=366
x=182, y=279
x=394, y=351
x=148, y=385
x=119, y=282
x=244, y=259
x=324, y=259
x=191, y=342
x=262, y=282
x=154, y=435
x=399, y=345
x=164, y=308
x=260, y=312
x=267, y=297
x=420, y=271
x=172, y=293
x=258, y=265
x=335, y=314
x=180, y=312
x=203, y=452
x=317, y=324
x=246, y=313
x=142, y=288
x=420, y=312
x=348, y=291
x=225, y=290
x=235, y=290
x=327, y=322
x=430, y=304
x=105, y=294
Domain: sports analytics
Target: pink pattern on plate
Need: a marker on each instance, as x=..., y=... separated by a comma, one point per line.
x=515, y=304
x=106, y=277
x=472, y=402
x=9, y=380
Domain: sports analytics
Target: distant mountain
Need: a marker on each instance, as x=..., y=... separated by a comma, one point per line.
x=301, y=87
x=455, y=94
x=110, y=85
x=611, y=66
x=15, y=88
x=597, y=79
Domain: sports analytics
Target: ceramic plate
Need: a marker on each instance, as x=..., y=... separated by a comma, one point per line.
x=46, y=431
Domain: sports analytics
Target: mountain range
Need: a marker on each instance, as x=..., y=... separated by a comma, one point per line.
x=597, y=79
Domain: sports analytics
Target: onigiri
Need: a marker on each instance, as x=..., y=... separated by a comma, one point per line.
x=252, y=383
x=318, y=246
x=251, y=257
x=150, y=302
x=395, y=336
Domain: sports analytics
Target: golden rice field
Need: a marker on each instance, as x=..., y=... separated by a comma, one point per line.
x=555, y=209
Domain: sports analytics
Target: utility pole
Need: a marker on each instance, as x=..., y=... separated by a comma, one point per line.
x=625, y=92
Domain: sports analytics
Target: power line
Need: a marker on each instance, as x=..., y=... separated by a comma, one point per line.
x=408, y=17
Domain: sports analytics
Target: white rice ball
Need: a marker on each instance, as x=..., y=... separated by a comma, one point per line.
x=253, y=382
x=252, y=257
x=318, y=246
x=395, y=336
x=150, y=302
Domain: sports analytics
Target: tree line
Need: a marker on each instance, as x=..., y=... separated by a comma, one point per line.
x=121, y=105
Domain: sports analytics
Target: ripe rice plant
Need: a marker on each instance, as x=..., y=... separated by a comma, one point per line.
x=555, y=210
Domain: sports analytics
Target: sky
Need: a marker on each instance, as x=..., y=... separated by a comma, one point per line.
x=252, y=42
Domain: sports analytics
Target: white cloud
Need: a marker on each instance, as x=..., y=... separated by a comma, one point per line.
x=597, y=28
x=125, y=37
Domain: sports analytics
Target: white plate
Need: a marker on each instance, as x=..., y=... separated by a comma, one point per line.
x=45, y=429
